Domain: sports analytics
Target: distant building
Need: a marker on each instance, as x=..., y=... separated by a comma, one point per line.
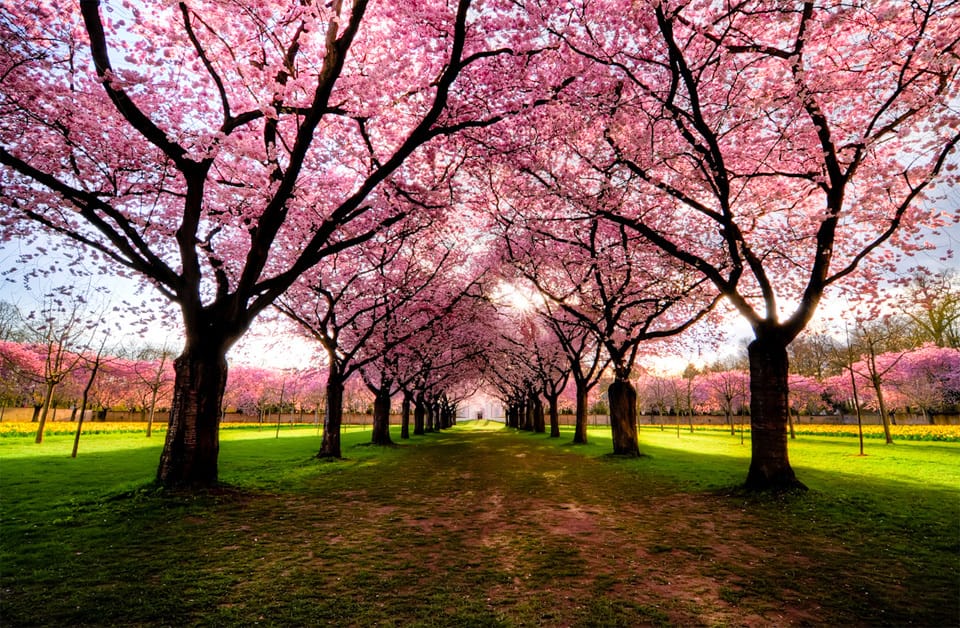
x=480, y=407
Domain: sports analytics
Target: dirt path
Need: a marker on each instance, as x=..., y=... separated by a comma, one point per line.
x=529, y=530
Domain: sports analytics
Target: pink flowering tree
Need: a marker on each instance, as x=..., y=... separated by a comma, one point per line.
x=154, y=372
x=927, y=378
x=368, y=303
x=806, y=395
x=21, y=367
x=775, y=148
x=607, y=279
x=727, y=392
x=219, y=153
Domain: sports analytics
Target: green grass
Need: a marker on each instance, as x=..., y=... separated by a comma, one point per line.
x=478, y=526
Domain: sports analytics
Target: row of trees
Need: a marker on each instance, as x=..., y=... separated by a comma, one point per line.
x=920, y=381
x=366, y=166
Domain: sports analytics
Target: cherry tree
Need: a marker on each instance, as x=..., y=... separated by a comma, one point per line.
x=727, y=392
x=806, y=394
x=610, y=282
x=368, y=303
x=773, y=147
x=218, y=151
x=927, y=378
x=58, y=332
x=428, y=293
x=250, y=388
x=585, y=358
x=21, y=366
x=881, y=343
x=508, y=368
x=655, y=393
x=551, y=367
x=154, y=372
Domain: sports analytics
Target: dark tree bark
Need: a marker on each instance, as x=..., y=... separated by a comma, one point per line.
x=623, y=418
x=419, y=415
x=512, y=420
x=430, y=416
x=527, y=414
x=405, y=415
x=770, y=468
x=580, y=431
x=553, y=408
x=536, y=404
x=381, y=418
x=192, y=445
x=332, y=420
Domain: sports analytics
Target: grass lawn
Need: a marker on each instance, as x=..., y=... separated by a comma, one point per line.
x=479, y=526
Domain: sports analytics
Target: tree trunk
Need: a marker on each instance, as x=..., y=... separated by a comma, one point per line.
x=405, y=416
x=580, y=431
x=552, y=403
x=381, y=418
x=623, y=417
x=419, y=415
x=769, y=463
x=881, y=406
x=332, y=419
x=539, y=425
x=192, y=445
x=512, y=420
x=83, y=404
x=153, y=409
x=530, y=414
x=46, y=408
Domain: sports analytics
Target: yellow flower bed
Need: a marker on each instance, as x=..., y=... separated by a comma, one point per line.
x=950, y=433
x=52, y=428
x=903, y=432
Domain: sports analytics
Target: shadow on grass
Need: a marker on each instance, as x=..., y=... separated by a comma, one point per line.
x=391, y=535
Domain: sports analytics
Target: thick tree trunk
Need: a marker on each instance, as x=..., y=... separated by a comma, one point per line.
x=405, y=416
x=419, y=415
x=332, y=419
x=512, y=417
x=192, y=445
x=623, y=418
x=381, y=418
x=552, y=404
x=580, y=430
x=528, y=411
x=769, y=463
x=539, y=425
x=451, y=414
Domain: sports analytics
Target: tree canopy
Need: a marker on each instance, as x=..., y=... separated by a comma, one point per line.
x=637, y=162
